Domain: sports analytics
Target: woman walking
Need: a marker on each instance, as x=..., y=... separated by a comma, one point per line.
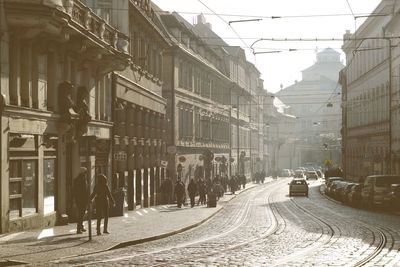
x=103, y=195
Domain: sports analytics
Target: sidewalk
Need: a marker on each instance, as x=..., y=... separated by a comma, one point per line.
x=43, y=245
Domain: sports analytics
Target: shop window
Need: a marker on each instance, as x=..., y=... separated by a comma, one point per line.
x=49, y=186
x=23, y=188
x=29, y=203
x=23, y=175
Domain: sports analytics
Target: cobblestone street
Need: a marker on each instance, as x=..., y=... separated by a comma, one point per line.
x=264, y=227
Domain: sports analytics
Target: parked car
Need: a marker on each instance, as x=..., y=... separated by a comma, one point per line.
x=328, y=183
x=311, y=175
x=285, y=173
x=344, y=194
x=320, y=174
x=298, y=186
x=299, y=174
x=391, y=201
x=375, y=187
x=337, y=188
x=354, y=196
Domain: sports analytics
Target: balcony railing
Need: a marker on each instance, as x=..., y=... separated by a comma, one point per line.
x=97, y=26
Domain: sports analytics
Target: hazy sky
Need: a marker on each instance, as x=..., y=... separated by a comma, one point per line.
x=300, y=19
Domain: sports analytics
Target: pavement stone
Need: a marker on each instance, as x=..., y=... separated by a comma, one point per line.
x=134, y=227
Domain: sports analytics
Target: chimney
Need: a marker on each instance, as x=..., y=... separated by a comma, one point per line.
x=201, y=19
x=347, y=36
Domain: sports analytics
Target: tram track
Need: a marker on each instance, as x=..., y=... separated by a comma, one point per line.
x=322, y=225
x=380, y=240
x=241, y=218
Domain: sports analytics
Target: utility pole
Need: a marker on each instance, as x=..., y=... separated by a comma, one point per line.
x=390, y=105
x=237, y=135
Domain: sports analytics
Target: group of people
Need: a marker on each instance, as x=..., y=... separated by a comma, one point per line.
x=259, y=177
x=202, y=188
x=101, y=194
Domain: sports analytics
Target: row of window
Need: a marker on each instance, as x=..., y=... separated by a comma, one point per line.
x=202, y=127
x=145, y=50
x=372, y=53
x=370, y=107
x=205, y=84
x=35, y=76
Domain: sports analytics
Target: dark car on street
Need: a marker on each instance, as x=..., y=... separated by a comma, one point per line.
x=298, y=186
x=337, y=188
x=354, y=196
x=375, y=188
x=311, y=175
x=328, y=183
x=343, y=195
x=391, y=200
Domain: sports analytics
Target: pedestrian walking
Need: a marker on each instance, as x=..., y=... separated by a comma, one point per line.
x=192, y=190
x=243, y=180
x=232, y=184
x=202, y=192
x=179, y=192
x=166, y=190
x=103, y=195
x=263, y=174
x=80, y=194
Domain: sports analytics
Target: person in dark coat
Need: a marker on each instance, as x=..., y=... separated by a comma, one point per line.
x=192, y=190
x=103, y=195
x=263, y=174
x=243, y=180
x=232, y=184
x=166, y=190
x=179, y=192
x=202, y=192
x=80, y=194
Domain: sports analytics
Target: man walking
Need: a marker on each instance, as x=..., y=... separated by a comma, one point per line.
x=103, y=196
x=80, y=193
x=179, y=192
x=192, y=190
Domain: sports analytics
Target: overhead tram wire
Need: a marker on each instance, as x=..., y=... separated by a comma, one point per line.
x=230, y=26
x=249, y=16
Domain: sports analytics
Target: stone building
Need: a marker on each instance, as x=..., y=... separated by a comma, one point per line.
x=315, y=101
x=56, y=63
x=279, y=136
x=246, y=103
x=197, y=90
x=371, y=95
x=138, y=105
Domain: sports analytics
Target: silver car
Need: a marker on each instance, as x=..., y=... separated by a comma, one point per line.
x=298, y=186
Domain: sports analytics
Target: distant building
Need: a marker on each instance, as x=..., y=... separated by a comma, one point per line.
x=279, y=137
x=315, y=101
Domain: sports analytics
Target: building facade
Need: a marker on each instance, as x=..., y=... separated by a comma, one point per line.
x=138, y=105
x=197, y=90
x=57, y=58
x=315, y=101
x=371, y=96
